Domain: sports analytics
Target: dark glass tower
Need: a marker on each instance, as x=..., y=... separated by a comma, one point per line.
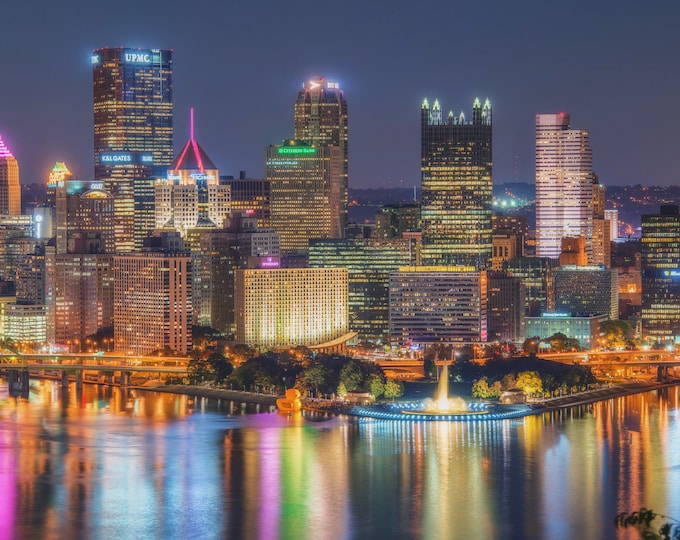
x=133, y=133
x=321, y=120
x=661, y=275
x=456, y=186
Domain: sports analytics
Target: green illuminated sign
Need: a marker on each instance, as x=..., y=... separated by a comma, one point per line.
x=297, y=150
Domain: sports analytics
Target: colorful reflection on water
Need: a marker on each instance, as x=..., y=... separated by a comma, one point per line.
x=109, y=463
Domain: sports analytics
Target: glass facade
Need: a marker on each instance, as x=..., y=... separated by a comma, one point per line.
x=302, y=179
x=564, y=193
x=368, y=263
x=321, y=120
x=133, y=133
x=587, y=290
x=456, y=167
x=661, y=275
x=438, y=304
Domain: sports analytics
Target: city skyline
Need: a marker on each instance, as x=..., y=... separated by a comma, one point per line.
x=604, y=65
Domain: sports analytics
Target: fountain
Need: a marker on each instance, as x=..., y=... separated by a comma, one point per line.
x=440, y=408
x=442, y=403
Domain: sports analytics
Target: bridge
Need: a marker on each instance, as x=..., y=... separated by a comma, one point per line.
x=115, y=369
x=627, y=362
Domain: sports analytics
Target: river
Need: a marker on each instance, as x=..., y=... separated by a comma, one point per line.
x=111, y=463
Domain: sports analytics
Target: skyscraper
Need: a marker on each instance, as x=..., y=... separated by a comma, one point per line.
x=564, y=190
x=456, y=186
x=133, y=133
x=302, y=179
x=132, y=105
x=10, y=190
x=661, y=274
x=192, y=195
x=321, y=120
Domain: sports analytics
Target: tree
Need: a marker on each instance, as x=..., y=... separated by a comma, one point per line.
x=616, y=332
x=375, y=385
x=561, y=343
x=199, y=370
x=550, y=383
x=480, y=389
x=530, y=383
x=220, y=366
x=530, y=345
x=316, y=377
x=341, y=391
x=508, y=382
x=642, y=521
x=393, y=389
x=351, y=376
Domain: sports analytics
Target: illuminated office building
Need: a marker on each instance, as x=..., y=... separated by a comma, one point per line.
x=250, y=195
x=132, y=106
x=438, y=304
x=369, y=262
x=303, y=181
x=291, y=306
x=392, y=220
x=191, y=196
x=587, y=290
x=602, y=247
x=24, y=323
x=538, y=276
x=456, y=170
x=84, y=207
x=586, y=329
x=506, y=245
x=30, y=278
x=612, y=215
x=661, y=275
x=133, y=133
x=321, y=120
x=59, y=173
x=10, y=189
x=505, y=307
x=79, y=297
x=152, y=306
x=239, y=245
x=564, y=189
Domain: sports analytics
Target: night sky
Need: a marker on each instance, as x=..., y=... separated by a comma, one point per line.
x=612, y=65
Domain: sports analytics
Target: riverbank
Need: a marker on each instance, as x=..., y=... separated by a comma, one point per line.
x=214, y=393
x=600, y=394
x=534, y=407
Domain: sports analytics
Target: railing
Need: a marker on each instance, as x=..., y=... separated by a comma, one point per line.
x=88, y=361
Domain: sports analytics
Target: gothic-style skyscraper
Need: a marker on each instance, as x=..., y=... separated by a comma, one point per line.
x=321, y=120
x=456, y=186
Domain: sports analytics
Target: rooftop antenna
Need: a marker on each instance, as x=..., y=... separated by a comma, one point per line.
x=191, y=124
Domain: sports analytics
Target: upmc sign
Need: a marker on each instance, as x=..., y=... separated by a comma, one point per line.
x=137, y=56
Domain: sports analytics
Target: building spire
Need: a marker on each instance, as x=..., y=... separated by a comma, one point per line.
x=191, y=124
x=4, y=151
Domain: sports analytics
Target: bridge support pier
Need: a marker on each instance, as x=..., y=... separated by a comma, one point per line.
x=18, y=383
x=109, y=378
x=64, y=379
x=125, y=378
x=661, y=373
x=79, y=379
